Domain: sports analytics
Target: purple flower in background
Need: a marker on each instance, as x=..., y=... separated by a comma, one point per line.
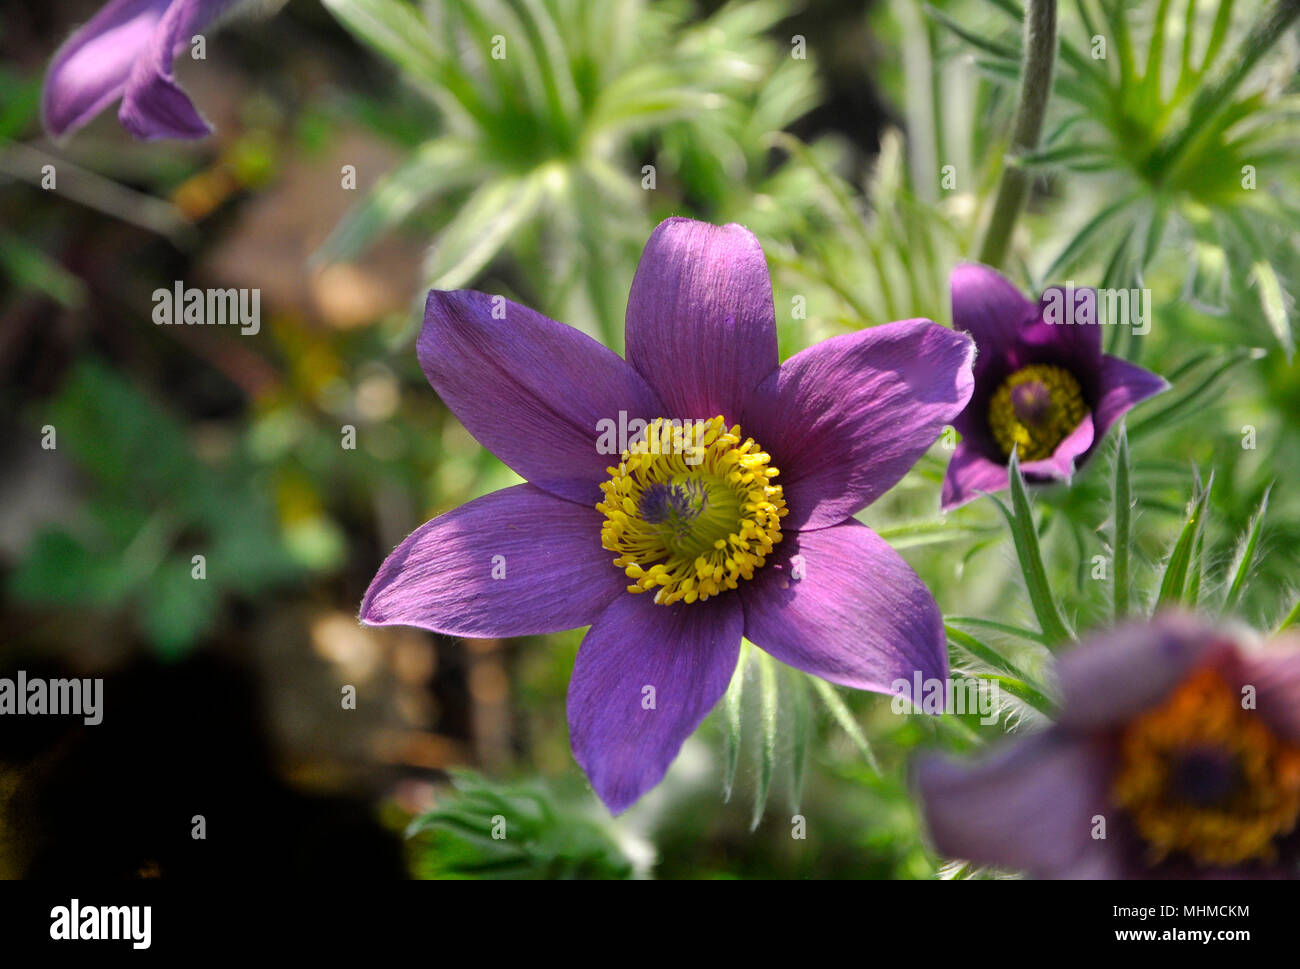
x=689, y=540
x=1176, y=754
x=126, y=51
x=1042, y=384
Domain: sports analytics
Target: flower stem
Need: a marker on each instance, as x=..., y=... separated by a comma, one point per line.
x=1035, y=89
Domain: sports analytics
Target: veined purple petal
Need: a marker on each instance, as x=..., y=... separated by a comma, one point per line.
x=1122, y=385
x=89, y=72
x=532, y=391
x=844, y=420
x=841, y=604
x=153, y=105
x=645, y=676
x=1029, y=805
x=1122, y=672
x=971, y=474
x=701, y=326
x=989, y=307
x=517, y=562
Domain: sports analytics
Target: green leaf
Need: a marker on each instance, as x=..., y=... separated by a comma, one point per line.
x=1121, y=537
x=30, y=268
x=769, y=697
x=1245, y=557
x=482, y=227
x=394, y=29
x=800, y=733
x=1001, y=51
x=1023, y=691
x=1291, y=617
x=1018, y=683
x=1192, y=594
x=1273, y=301
x=731, y=705
x=1002, y=627
x=435, y=168
x=1023, y=533
x=1185, y=404
x=910, y=534
x=1074, y=249
x=1173, y=583
x=844, y=718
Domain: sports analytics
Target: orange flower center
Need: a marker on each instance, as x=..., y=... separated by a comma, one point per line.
x=1202, y=776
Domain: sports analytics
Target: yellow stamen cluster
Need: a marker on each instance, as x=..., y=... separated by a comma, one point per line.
x=1036, y=427
x=1255, y=802
x=691, y=510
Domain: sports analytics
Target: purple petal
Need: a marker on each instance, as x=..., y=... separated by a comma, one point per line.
x=989, y=307
x=1076, y=345
x=857, y=616
x=1122, y=385
x=1062, y=462
x=624, y=735
x=517, y=562
x=153, y=105
x=971, y=474
x=701, y=327
x=844, y=420
x=89, y=72
x=1030, y=805
x=1274, y=672
x=1121, y=672
x=532, y=391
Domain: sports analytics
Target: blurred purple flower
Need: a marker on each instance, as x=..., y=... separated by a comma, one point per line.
x=1042, y=387
x=724, y=550
x=1176, y=755
x=126, y=51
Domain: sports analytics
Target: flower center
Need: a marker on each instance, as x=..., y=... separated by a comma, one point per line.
x=691, y=509
x=1035, y=409
x=1202, y=776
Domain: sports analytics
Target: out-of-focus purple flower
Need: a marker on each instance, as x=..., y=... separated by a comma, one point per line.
x=714, y=545
x=126, y=51
x=1176, y=754
x=1042, y=384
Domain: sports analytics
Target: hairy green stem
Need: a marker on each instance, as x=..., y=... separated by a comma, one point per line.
x=1035, y=89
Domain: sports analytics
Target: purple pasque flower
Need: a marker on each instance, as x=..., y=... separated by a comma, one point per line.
x=1176, y=754
x=1042, y=384
x=689, y=540
x=126, y=51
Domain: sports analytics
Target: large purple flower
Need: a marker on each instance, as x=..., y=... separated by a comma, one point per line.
x=689, y=540
x=1176, y=754
x=1042, y=384
x=126, y=51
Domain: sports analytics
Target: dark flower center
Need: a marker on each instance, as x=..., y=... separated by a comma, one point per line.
x=1202, y=777
x=1035, y=409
